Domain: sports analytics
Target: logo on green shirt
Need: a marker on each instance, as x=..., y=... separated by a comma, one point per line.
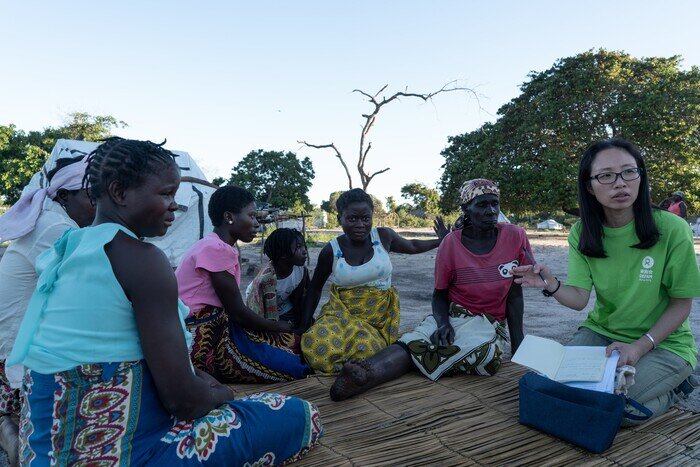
x=646, y=274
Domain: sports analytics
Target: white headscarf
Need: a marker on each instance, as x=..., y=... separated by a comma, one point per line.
x=21, y=218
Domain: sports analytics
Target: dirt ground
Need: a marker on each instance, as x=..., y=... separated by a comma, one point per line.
x=413, y=277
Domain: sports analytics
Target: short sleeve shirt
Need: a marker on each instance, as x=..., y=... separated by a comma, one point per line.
x=210, y=254
x=633, y=286
x=481, y=283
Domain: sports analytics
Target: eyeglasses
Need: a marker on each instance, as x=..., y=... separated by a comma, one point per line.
x=607, y=178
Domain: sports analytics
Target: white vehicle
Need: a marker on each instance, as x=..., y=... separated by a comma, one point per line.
x=696, y=227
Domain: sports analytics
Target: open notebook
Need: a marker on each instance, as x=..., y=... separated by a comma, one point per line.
x=562, y=363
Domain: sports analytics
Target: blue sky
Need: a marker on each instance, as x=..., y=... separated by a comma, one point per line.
x=219, y=79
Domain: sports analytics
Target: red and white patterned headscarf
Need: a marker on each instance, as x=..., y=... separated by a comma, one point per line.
x=475, y=187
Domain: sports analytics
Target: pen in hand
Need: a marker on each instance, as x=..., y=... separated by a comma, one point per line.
x=532, y=260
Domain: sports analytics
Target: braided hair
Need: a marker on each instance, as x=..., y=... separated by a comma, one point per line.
x=281, y=243
x=125, y=160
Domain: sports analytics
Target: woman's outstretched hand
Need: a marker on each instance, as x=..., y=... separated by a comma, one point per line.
x=529, y=275
x=441, y=230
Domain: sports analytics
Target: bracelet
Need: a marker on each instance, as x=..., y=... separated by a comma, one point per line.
x=547, y=293
x=653, y=342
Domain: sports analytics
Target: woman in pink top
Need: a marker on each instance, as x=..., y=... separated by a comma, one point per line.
x=474, y=294
x=230, y=341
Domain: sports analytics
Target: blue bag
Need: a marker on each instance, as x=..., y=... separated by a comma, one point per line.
x=589, y=419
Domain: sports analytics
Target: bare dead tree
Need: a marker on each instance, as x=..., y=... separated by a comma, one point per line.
x=337, y=154
x=370, y=120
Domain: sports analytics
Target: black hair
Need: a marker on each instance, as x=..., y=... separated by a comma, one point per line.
x=228, y=199
x=356, y=195
x=61, y=163
x=281, y=243
x=125, y=160
x=592, y=214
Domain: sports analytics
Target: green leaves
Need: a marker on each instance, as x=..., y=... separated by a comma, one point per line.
x=278, y=178
x=22, y=154
x=532, y=150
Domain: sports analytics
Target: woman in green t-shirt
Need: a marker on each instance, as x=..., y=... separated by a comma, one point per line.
x=642, y=264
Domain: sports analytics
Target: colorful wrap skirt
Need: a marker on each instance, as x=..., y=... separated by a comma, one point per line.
x=10, y=401
x=110, y=414
x=477, y=348
x=356, y=322
x=234, y=355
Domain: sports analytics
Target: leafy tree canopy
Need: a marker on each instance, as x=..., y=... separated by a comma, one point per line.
x=423, y=198
x=275, y=177
x=533, y=148
x=22, y=154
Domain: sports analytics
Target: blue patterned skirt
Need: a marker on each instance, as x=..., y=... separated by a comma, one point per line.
x=110, y=414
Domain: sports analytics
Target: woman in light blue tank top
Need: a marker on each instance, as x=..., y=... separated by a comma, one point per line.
x=362, y=314
x=109, y=381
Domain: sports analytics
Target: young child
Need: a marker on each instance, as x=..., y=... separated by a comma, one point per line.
x=278, y=291
x=230, y=341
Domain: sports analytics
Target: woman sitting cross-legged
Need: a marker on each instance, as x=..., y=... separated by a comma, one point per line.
x=362, y=314
x=279, y=289
x=473, y=288
x=110, y=381
x=642, y=265
x=232, y=342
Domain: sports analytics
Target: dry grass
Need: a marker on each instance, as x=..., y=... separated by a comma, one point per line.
x=466, y=420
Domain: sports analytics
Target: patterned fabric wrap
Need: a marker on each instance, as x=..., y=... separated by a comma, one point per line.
x=10, y=401
x=477, y=347
x=110, y=414
x=355, y=323
x=476, y=187
x=234, y=355
x=263, y=295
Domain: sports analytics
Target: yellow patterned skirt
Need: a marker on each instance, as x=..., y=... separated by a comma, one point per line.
x=355, y=323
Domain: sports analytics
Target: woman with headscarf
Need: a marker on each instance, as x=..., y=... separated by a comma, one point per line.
x=33, y=224
x=473, y=288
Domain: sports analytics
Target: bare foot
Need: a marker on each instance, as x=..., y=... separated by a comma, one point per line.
x=352, y=380
x=9, y=439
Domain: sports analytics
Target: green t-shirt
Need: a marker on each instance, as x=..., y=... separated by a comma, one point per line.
x=633, y=286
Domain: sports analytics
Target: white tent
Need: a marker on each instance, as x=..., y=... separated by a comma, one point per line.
x=549, y=224
x=191, y=219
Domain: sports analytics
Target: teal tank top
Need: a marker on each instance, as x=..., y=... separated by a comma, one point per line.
x=79, y=313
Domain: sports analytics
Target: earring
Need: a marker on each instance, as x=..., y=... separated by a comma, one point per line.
x=230, y=222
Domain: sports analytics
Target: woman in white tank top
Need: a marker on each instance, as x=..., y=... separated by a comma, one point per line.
x=362, y=314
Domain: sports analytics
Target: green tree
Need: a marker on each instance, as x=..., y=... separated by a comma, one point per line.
x=22, y=154
x=423, y=198
x=275, y=177
x=391, y=204
x=218, y=181
x=533, y=148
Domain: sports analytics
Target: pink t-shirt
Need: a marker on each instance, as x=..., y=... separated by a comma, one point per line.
x=480, y=283
x=210, y=254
